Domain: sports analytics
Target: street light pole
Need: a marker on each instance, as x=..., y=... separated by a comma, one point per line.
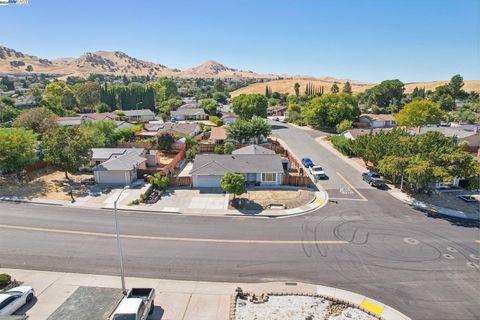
x=119, y=243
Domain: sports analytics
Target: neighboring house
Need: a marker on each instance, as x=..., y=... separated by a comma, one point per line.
x=352, y=134
x=121, y=166
x=189, y=114
x=218, y=135
x=466, y=133
x=261, y=168
x=181, y=129
x=123, y=125
x=25, y=102
x=277, y=110
x=253, y=149
x=76, y=121
x=229, y=117
x=376, y=120
x=141, y=114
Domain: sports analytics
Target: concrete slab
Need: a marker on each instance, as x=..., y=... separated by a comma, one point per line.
x=204, y=307
x=49, y=300
x=174, y=305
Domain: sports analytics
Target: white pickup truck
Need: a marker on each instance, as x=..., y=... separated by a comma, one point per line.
x=136, y=305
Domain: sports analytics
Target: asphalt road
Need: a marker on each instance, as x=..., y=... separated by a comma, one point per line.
x=427, y=268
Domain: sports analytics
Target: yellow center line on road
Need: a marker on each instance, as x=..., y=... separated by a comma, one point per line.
x=351, y=186
x=139, y=237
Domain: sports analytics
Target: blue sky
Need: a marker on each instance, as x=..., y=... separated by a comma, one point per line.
x=369, y=40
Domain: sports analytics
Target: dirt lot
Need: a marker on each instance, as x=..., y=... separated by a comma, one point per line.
x=44, y=183
x=258, y=199
x=451, y=201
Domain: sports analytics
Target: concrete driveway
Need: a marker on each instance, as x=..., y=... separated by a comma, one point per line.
x=176, y=200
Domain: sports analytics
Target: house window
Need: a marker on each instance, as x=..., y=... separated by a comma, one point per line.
x=269, y=177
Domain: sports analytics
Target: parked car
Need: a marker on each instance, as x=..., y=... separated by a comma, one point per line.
x=373, y=179
x=317, y=172
x=137, y=305
x=307, y=162
x=153, y=197
x=14, y=299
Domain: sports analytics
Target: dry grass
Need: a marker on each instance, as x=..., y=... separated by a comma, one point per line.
x=286, y=86
x=45, y=183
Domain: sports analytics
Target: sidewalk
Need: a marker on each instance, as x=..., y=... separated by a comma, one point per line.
x=320, y=199
x=400, y=195
x=184, y=300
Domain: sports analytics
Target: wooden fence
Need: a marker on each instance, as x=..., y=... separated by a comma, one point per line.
x=185, y=181
x=37, y=165
x=298, y=181
x=180, y=155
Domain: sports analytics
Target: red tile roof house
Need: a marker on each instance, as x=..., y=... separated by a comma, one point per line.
x=376, y=120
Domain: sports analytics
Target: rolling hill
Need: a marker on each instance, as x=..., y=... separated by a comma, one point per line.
x=115, y=63
x=286, y=85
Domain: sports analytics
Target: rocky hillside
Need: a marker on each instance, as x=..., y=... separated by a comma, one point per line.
x=117, y=63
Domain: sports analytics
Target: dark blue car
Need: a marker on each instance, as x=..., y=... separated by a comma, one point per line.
x=307, y=162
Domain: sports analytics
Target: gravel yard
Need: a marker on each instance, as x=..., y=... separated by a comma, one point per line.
x=297, y=308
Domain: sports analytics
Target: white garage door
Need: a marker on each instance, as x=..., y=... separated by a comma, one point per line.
x=209, y=181
x=113, y=177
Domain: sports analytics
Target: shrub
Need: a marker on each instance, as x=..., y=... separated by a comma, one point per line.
x=219, y=149
x=219, y=122
x=342, y=144
x=344, y=126
x=228, y=148
x=191, y=153
x=160, y=182
x=4, y=279
x=213, y=119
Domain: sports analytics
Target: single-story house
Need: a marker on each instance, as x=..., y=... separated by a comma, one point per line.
x=76, y=121
x=277, y=110
x=253, y=149
x=100, y=155
x=218, y=135
x=376, y=120
x=120, y=168
x=123, y=125
x=260, y=169
x=467, y=133
x=141, y=114
x=189, y=114
x=181, y=129
x=352, y=134
x=229, y=117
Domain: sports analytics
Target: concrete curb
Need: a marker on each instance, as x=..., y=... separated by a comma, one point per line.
x=370, y=306
x=319, y=200
x=405, y=198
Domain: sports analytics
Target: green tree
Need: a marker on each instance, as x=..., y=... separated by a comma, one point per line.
x=455, y=85
x=68, y=148
x=249, y=105
x=242, y=130
x=228, y=148
x=418, y=113
x=393, y=166
x=102, y=107
x=331, y=109
x=419, y=173
x=88, y=95
x=60, y=94
x=7, y=113
x=296, y=87
x=344, y=126
x=233, y=183
x=220, y=97
x=334, y=88
x=160, y=182
x=103, y=132
x=165, y=141
x=347, y=88
x=218, y=85
x=209, y=105
x=219, y=149
x=17, y=149
x=37, y=119
x=384, y=94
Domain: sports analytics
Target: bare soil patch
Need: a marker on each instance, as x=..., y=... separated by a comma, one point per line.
x=45, y=183
x=260, y=199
